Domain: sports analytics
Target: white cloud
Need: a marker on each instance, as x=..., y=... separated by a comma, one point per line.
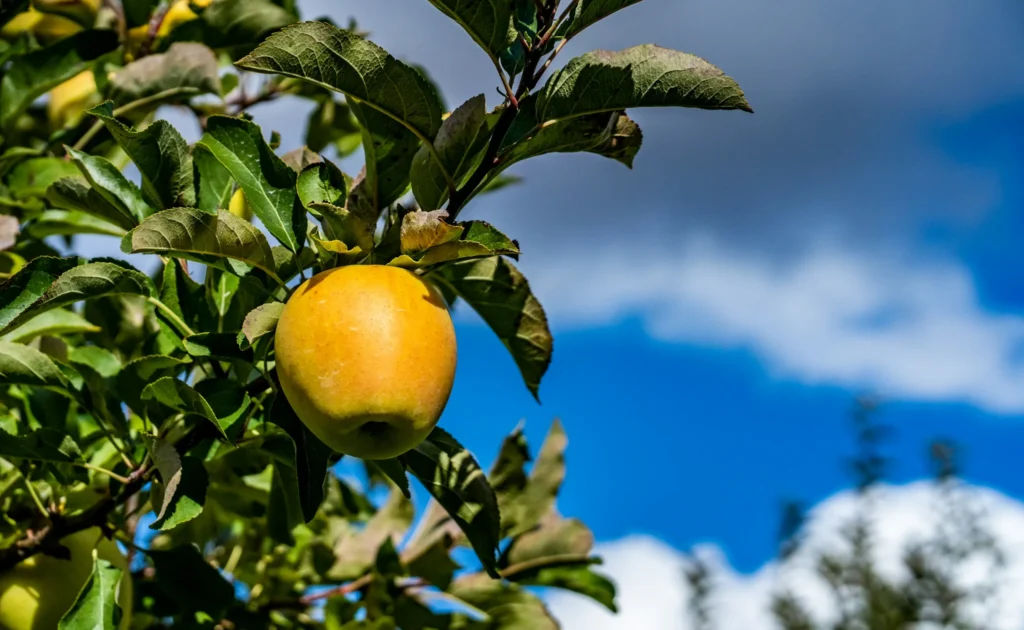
x=653, y=591
x=908, y=331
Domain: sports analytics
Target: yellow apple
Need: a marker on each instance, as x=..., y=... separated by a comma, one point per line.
x=239, y=206
x=69, y=100
x=81, y=11
x=47, y=27
x=35, y=594
x=366, y=357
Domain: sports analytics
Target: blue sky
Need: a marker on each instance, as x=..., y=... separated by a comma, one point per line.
x=718, y=309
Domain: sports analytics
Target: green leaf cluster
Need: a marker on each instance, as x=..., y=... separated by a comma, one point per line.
x=143, y=382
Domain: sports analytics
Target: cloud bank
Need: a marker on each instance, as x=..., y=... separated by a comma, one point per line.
x=904, y=329
x=653, y=593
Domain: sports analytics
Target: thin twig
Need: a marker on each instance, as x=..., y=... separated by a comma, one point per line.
x=509, y=92
x=155, y=23
x=109, y=473
x=35, y=497
x=343, y=589
x=171, y=315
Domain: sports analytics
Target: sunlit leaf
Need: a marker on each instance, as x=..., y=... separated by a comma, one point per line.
x=96, y=607
x=197, y=235
x=75, y=194
x=185, y=70
x=107, y=180
x=83, y=282
x=184, y=482
x=343, y=61
x=55, y=323
x=161, y=155
x=644, y=76
x=269, y=183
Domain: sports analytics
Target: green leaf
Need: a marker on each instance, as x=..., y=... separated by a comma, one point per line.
x=161, y=155
x=238, y=24
x=297, y=159
x=577, y=577
x=184, y=482
x=167, y=396
x=42, y=445
x=488, y=22
x=28, y=285
x=102, y=361
x=454, y=478
x=587, y=13
x=501, y=295
x=194, y=234
x=284, y=513
x=460, y=145
x=32, y=75
x=30, y=178
x=268, y=183
x=644, y=76
x=341, y=60
x=508, y=606
x=312, y=457
x=230, y=402
x=332, y=123
x=356, y=552
x=426, y=239
x=434, y=563
x=107, y=180
x=75, y=194
x=83, y=282
x=394, y=470
x=184, y=575
x=96, y=607
x=389, y=149
x=69, y=223
x=555, y=538
x=612, y=135
x=184, y=296
x=214, y=182
x=259, y=322
x=139, y=373
x=213, y=345
x=54, y=323
x=185, y=70
x=322, y=183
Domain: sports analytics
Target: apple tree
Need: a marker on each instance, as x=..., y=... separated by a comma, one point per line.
x=139, y=392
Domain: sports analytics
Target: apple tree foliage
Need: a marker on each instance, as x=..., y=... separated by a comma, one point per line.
x=145, y=391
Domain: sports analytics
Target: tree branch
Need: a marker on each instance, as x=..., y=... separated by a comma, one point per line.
x=47, y=539
x=527, y=82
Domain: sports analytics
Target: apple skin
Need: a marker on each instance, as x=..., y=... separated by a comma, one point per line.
x=69, y=100
x=366, y=356
x=47, y=27
x=36, y=593
x=239, y=206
